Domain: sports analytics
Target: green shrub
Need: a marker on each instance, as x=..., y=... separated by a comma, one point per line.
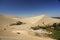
x=38, y=27
x=55, y=35
x=54, y=25
x=17, y=23
x=58, y=24
x=55, y=30
x=35, y=28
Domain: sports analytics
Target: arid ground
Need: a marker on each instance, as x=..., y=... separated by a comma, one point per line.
x=10, y=31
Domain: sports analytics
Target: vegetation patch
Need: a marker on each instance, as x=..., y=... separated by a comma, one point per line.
x=56, y=33
x=55, y=29
x=17, y=23
x=56, y=17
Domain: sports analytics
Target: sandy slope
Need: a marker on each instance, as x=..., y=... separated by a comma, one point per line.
x=9, y=35
x=11, y=31
x=42, y=20
x=45, y=20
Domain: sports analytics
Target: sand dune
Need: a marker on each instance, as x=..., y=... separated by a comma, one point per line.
x=39, y=20
x=45, y=20
x=24, y=29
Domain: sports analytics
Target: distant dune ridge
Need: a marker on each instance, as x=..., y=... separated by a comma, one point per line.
x=9, y=31
x=38, y=20
x=45, y=20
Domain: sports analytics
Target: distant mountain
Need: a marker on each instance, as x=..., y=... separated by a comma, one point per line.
x=56, y=17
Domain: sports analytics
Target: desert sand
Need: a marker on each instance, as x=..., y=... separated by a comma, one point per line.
x=22, y=32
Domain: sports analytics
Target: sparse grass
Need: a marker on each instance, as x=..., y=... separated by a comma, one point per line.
x=55, y=30
x=35, y=28
x=38, y=27
x=55, y=35
x=58, y=24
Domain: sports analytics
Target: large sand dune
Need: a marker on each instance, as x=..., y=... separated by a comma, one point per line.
x=10, y=32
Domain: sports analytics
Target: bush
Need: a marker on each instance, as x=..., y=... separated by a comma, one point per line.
x=58, y=24
x=54, y=25
x=35, y=28
x=55, y=35
x=55, y=30
x=17, y=23
x=38, y=27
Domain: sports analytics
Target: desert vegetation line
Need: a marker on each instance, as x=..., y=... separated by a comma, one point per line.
x=55, y=29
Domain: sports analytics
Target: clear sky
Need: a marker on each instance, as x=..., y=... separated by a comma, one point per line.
x=27, y=8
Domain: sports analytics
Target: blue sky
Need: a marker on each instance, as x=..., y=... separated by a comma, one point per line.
x=27, y=8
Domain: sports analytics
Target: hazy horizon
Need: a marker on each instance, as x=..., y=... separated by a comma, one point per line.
x=28, y=8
